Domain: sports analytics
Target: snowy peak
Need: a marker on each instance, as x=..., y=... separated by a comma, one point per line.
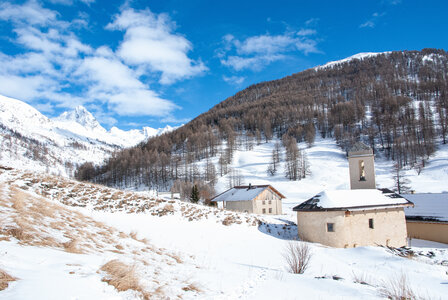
x=81, y=116
x=31, y=140
x=359, y=56
x=17, y=114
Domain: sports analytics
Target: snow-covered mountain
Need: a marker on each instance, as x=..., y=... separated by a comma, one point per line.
x=30, y=140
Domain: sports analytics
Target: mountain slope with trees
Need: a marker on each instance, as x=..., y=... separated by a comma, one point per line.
x=397, y=102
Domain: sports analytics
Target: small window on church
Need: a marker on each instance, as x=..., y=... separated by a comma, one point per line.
x=362, y=173
x=330, y=227
x=371, y=223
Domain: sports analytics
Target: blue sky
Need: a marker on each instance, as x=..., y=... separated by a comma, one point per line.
x=153, y=63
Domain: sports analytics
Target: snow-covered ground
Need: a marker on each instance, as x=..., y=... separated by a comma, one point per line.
x=239, y=261
x=200, y=252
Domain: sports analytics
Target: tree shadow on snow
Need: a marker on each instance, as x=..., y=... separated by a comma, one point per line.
x=285, y=231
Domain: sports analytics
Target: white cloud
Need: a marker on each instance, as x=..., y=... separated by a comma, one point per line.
x=63, y=2
x=44, y=107
x=115, y=83
x=255, y=52
x=58, y=69
x=70, y=2
x=255, y=63
x=173, y=120
x=24, y=87
x=236, y=80
x=312, y=22
x=30, y=12
x=110, y=74
x=150, y=41
x=371, y=23
x=306, y=32
x=140, y=102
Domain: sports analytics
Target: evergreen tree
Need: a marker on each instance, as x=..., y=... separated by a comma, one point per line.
x=194, y=197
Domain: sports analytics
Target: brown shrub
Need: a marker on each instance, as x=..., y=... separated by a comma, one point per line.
x=5, y=279
x=228, y=220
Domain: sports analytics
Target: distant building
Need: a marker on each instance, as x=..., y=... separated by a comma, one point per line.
x=428, y=220
x=259, y=199
x=361, y=216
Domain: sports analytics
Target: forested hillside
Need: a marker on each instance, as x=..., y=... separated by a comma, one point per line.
x=397, y=102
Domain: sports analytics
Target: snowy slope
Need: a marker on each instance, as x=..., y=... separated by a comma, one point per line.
x=329, y=171
x=188, y=258
x=30, y=140
x=359, y=56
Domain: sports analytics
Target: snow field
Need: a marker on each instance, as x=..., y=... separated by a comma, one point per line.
x=56, y=252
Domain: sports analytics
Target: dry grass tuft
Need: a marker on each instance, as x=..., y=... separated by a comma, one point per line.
x=397, y=288
x=175, y=257
x=18, y=198
x=361, y=278
x=192, y=287
x=72, y=246
x=123, y=277
x=5, y=279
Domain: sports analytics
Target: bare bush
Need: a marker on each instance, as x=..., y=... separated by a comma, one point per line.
x=297, y=256
x=5, y=279
x=397, y=288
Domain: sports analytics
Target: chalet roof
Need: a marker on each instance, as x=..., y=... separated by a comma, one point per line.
x=362, y=199
x=428, y=207
x=244, y=193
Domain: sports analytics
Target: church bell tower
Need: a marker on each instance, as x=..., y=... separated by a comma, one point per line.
x=362, y=167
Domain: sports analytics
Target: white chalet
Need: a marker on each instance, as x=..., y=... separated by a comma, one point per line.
x=259, y=199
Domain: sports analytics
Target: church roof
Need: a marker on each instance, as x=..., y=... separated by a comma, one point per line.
x=360, y=149
x=244, y=193
x=361, y=199
x=359, y=146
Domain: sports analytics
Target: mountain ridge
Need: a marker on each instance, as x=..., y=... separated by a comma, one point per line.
x=31, y=140
x=396, y=102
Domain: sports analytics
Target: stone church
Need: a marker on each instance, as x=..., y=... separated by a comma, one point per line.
x=361, y=216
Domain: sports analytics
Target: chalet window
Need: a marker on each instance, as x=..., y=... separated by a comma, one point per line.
x=270, y=210
x=362, y=173
x=263, y=202
x=269, y=202
x=371, y=223
x=264, y=210
x=330, y=227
